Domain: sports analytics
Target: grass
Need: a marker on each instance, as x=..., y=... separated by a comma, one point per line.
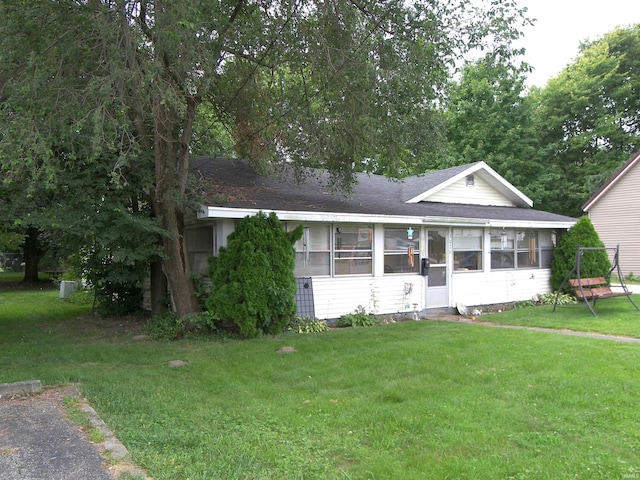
x=81, y=418
x=616, y=316
x=419, y=400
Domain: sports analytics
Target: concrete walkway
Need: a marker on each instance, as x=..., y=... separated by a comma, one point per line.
x=557, y=331
x=39, y=442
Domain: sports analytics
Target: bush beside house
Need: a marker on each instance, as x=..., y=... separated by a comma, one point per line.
x=252, y=281
x=592, y=264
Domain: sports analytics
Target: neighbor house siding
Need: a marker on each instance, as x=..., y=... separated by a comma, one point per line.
x=616, y=218
x=481, y=193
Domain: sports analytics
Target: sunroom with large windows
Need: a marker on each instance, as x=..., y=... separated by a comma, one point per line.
x=428, y=241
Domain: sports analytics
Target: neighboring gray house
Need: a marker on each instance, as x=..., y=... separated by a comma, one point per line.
x=460, y=235
x=614, y=211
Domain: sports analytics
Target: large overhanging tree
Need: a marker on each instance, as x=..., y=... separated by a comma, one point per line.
x=335, y=84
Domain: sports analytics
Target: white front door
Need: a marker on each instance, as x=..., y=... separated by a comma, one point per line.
x=437, y=290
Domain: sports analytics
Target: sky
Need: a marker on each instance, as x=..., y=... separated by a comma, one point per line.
x=553, y=42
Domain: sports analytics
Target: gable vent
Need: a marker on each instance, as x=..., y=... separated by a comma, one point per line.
x=469, y=181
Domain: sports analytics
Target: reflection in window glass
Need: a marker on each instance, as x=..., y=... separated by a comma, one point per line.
x=313, y=250
x=353, y=254
x=501, y=260
x=527, y=245
x=516, y=249
x=467, y=249
x=546, y=238
x=437, y=277
x=437, y=246
x=200, y=245
x=401, y=253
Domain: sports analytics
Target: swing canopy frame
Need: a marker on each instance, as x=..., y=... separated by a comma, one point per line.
x=591, y=289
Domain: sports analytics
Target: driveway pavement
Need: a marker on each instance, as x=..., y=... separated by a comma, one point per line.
x=38, y=442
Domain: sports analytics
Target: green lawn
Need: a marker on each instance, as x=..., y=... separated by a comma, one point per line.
x=412, y=400
x=616, y=316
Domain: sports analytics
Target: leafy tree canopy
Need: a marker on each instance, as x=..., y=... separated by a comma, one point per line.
x=345, y=86
x=589, y=117
x=488, y=118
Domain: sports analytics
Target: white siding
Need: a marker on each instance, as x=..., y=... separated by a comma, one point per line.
x=481, y=193
x=616, y=218
x=389, y=294
x=334, y=297
x=499, y=286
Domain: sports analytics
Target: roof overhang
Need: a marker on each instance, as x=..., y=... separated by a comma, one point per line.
x=335, y=217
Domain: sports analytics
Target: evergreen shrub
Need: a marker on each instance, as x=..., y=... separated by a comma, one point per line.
x=252, y=281
x=592, y=263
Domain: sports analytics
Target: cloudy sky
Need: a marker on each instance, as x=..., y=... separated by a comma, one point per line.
x=562, y=24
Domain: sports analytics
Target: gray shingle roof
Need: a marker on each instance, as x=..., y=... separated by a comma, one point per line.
x=234, y=183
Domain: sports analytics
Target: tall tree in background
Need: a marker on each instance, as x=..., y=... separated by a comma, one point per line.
x=68, y=155
x=488, y=118
x=588, y=118
x=340, y=85
x=27, y=186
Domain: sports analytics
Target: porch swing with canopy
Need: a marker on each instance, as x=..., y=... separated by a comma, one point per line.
x=592, y=289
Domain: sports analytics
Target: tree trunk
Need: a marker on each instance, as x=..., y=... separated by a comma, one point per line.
x=176, y=265
x=174, y=109
x=171, y=159
x=32, y=256
x=158, y=288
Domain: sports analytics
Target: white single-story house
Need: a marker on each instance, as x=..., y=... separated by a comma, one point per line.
x=614, y=210
x=463, y=235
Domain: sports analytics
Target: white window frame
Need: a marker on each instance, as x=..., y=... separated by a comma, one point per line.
x=461, y=248
x=403, y=251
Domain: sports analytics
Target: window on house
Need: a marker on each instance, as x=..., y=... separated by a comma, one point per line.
x=502, y=249
x=353, y=249
x=528, y=254
x=467, y=249
x=401, y=250
x=547, y=243
x=313, y=250
x=200, y=246
x=519, y=249
x=351, y=252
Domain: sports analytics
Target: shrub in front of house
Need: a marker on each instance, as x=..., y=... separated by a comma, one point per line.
x=592, y=264
x=359, y=318
x=307, y=325
x=252, y=281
